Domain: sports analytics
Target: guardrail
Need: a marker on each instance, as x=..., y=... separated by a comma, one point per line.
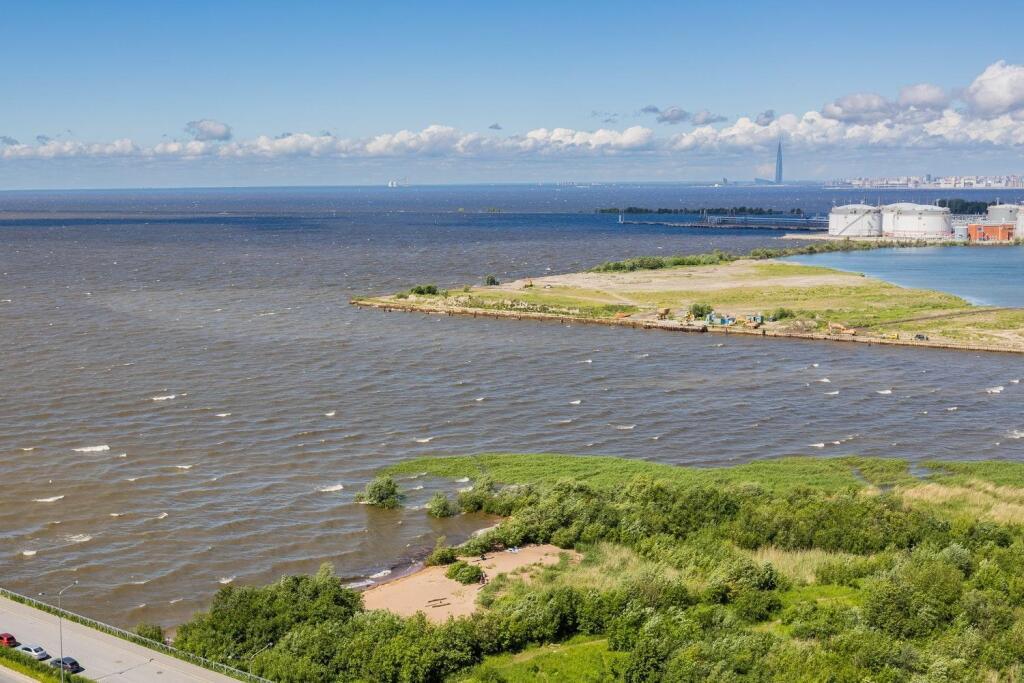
x=135, y=638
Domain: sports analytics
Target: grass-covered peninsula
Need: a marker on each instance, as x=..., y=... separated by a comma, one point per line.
x=753, y=294
x=798, y=569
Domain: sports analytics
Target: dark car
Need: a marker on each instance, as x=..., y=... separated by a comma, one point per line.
x=7, y=640
x=68, y=664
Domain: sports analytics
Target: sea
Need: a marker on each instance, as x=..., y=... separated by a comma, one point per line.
x=189, y=401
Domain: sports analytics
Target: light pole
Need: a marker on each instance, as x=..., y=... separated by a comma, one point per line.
x=248, y=666
x=60, y=626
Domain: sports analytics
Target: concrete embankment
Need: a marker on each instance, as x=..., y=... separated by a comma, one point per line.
x=666, y=325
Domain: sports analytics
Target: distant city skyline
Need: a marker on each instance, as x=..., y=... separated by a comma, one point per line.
x=238, y=93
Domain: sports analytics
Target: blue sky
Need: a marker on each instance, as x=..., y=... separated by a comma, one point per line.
x=102, y=94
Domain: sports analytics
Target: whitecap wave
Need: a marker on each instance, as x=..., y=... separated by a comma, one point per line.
x=816, y=445
x=952, y=409
x=479, y=399
x=381, y=574
x=223, y=414
x=587, y=361
x=330, y=413
x=462, y=480
x=1015, y=434
x=166, y=397
x=92, y=449
x=566, y=421
x=28, y=553
x=364, y=583
x=79, y=538
x=884, y=392
x=162, y=515
x=225, y=580
x=575, y=403
x=332, y=488
x=417, y=488
x=52, y=499
x=30, y=448
x=825, y=380
x=427, y=439
x=831, y=393
x=994, y=390
x=624, y=428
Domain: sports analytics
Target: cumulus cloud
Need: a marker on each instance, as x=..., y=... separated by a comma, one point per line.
x=863, y=107
x=923, y=96
x=765, y=117
x=208, y=129
x=999, y=89
x=920, y=116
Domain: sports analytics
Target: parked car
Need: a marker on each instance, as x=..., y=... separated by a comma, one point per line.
x=68, y=664
x=7, y=640
x=35, y=652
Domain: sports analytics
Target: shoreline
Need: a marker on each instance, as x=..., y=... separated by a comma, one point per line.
x=389, y=305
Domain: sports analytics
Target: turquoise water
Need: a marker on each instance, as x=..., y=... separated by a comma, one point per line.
x=990, y=276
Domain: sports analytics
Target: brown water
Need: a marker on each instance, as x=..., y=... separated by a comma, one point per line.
x=190, y=395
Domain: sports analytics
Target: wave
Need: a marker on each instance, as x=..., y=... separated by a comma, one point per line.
x=225, y=580
x=462, y=480
x=330, y=413
x=575, y=403
x=183, y=467
x=479, y=399
x=424, y=440
x=167, y=397
x=28, y=553
x=825, y=380
x=332, y=489
x=30, y=448
x=952, y=409
x=995, y=390
x=53, y=499
x=816, y=445
x=884, y=392
x=162, y=515
x=381, y=574
x=831, y=393
x=79, y=538
x=223, y=415
x=566, y=421
x=587, y=361
x=625, y=428
x=92, y=449
x=363, y=583
x=417, y=488
x=116, y=514
x=1015, y=434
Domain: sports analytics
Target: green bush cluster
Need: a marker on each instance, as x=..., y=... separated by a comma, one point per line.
x=439, y=506
x=382, y=492
x=699, y=310
x=911, y=595
x=424, y=290
x=463, y=572
x=150, y=632
x=717, y=257
x=781, y=314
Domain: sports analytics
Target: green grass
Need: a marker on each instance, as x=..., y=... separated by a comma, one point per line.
x=584, y=659
x=782, y=474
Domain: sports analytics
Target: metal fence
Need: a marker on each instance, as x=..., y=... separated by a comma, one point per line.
x=135, y=638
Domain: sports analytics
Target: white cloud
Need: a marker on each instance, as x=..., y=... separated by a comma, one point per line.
x=922, y=116
x=208, y=129
x=999, y=89
x=923, y=96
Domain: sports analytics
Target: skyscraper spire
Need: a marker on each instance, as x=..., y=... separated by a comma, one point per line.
x=778, y=164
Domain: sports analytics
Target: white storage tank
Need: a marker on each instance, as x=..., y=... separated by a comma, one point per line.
x=855, y=220
x=1003, y=213
x=916, y=221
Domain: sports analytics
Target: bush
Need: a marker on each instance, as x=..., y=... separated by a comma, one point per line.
x=491, y=281
x=781, y=314
x=150, y=632
x=382, y=492
x=701, y=310
x=441, y=554
x=463, y=572
x=439, y=506
x=424, y=290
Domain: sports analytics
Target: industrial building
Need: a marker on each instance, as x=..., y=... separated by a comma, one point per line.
x=916, y=221
x=990, y=232
x=905, y=220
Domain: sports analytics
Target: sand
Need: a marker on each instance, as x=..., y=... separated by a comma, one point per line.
x=431, y=592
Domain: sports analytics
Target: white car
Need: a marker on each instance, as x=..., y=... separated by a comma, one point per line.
x=34, y=651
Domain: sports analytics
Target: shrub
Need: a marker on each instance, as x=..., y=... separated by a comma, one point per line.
x=441, y=554
x=701, y=310
x=424, y=290
x=781, y=314
x=382, y=492
x=491, y=281
x=463, y=572
x=439, y=506
x=150, y=632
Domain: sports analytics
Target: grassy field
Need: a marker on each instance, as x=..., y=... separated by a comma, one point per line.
x=817, y=297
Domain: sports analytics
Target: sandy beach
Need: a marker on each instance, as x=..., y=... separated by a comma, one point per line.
x=431, y=592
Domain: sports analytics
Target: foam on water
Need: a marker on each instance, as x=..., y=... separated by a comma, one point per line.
x=332, y=489
x=52, y=499
x=92, y=449
x=166, y=397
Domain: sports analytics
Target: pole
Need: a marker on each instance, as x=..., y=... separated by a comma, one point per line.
x=248, y=666
x=60, y=626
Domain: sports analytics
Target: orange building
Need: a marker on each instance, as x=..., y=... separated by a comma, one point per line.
x=990, y=232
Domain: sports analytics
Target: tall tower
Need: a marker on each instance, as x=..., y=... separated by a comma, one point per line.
x=778, y=164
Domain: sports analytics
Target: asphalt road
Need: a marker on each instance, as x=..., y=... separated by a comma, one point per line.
x=105, y=657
